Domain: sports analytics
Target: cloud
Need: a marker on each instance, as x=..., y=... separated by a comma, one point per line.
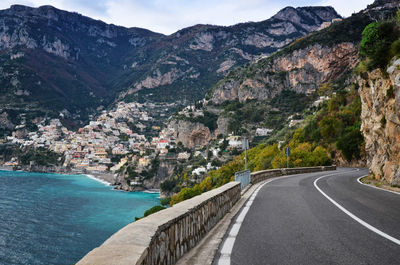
x=168, y=16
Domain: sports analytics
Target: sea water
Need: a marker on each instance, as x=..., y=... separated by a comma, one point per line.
x=57, y=219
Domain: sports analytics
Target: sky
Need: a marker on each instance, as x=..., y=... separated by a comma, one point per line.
x=168, y=16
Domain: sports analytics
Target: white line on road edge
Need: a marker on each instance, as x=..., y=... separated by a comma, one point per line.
x=359, y=181
x=363, y=223
x=226, y=250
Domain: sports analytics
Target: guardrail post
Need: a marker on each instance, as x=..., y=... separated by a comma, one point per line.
x=243, y=177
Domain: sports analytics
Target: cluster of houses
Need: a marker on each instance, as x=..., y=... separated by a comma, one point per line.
x=123, y=135
x=113, y=133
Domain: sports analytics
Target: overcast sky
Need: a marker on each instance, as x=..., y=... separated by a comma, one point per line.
x=168, y=16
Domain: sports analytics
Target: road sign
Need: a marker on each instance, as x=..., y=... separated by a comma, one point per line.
x=287, y=151
x=245, y=144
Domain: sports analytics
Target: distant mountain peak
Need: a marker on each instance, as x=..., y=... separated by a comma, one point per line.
x=384, y=4
x=298, y=15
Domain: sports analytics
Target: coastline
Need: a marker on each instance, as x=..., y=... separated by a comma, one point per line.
x=108, y=179
x=105, y=178
x=6, y=168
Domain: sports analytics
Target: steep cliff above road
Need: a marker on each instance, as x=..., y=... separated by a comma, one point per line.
x=380, y=96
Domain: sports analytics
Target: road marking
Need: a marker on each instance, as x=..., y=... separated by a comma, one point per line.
x=359, y=181
x=226, y=250
x=363, y=223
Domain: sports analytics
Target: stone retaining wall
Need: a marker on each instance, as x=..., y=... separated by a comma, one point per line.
x=163, y=237
x=270, y=173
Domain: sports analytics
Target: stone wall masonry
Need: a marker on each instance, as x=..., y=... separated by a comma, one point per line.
x=270, y=173
x=165, y=236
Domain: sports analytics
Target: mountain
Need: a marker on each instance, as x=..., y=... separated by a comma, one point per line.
x=351, y=67
x=276, y=90
x=193, y=59
x=55, y=61
x=302, y=67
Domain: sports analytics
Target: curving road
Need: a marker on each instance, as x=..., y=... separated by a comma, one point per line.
x=317, y=218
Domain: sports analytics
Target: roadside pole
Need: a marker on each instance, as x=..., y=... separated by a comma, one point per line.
x=287, y=161
x=287, y=153
x=245, y=146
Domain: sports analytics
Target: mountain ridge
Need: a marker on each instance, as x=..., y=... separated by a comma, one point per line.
x=60, y=61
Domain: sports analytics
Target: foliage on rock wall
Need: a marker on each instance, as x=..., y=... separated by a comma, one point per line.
x=380, y=42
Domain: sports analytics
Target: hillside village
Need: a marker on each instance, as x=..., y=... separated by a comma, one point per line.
x=131, y=135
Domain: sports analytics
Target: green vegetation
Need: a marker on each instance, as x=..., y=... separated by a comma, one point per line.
x=271, y=113
x=208, y=119
x=337, y=124
x=40, y=156
x=333, y=129
x=165, y=201
x=377, y=39
x=380, y=43
x=150, y=211
x=259, y=158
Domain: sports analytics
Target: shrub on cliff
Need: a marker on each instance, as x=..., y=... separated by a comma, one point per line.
x=150, y=211
x=376, y=42
x=185, y=194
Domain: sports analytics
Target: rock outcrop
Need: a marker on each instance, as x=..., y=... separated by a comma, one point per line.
x=380, y=96
x=191, y=134
x=301, y=70
x=164, y=171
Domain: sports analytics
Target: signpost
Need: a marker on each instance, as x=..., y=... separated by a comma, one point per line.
x=287, y=153
x=245, y=146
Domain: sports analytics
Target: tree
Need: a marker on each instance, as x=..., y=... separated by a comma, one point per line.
x=326, y=89
x=330, y=128
x=350, y=143
x=376, y=42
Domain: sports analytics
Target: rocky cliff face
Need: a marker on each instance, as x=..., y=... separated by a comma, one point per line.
x=302, y=70
x=164, y=171
x=202, y=54
x=303, y=65
x=191, y=134
x=380, y=96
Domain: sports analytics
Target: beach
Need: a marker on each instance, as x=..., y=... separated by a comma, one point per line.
x=105, y=178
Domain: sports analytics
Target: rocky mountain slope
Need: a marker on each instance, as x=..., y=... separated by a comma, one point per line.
x=53, y=60
x=293, y=74
x=302, y=66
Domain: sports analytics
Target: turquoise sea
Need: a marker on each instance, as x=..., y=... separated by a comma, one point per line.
x=57, y=219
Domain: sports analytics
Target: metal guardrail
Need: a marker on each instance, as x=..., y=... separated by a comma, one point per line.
x=243, y=177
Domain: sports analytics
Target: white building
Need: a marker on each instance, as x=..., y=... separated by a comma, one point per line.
x=263, y=131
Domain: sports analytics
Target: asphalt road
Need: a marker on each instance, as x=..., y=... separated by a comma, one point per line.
x=291, y=222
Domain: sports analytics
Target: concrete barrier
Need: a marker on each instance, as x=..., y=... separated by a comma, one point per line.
x=163, y=237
